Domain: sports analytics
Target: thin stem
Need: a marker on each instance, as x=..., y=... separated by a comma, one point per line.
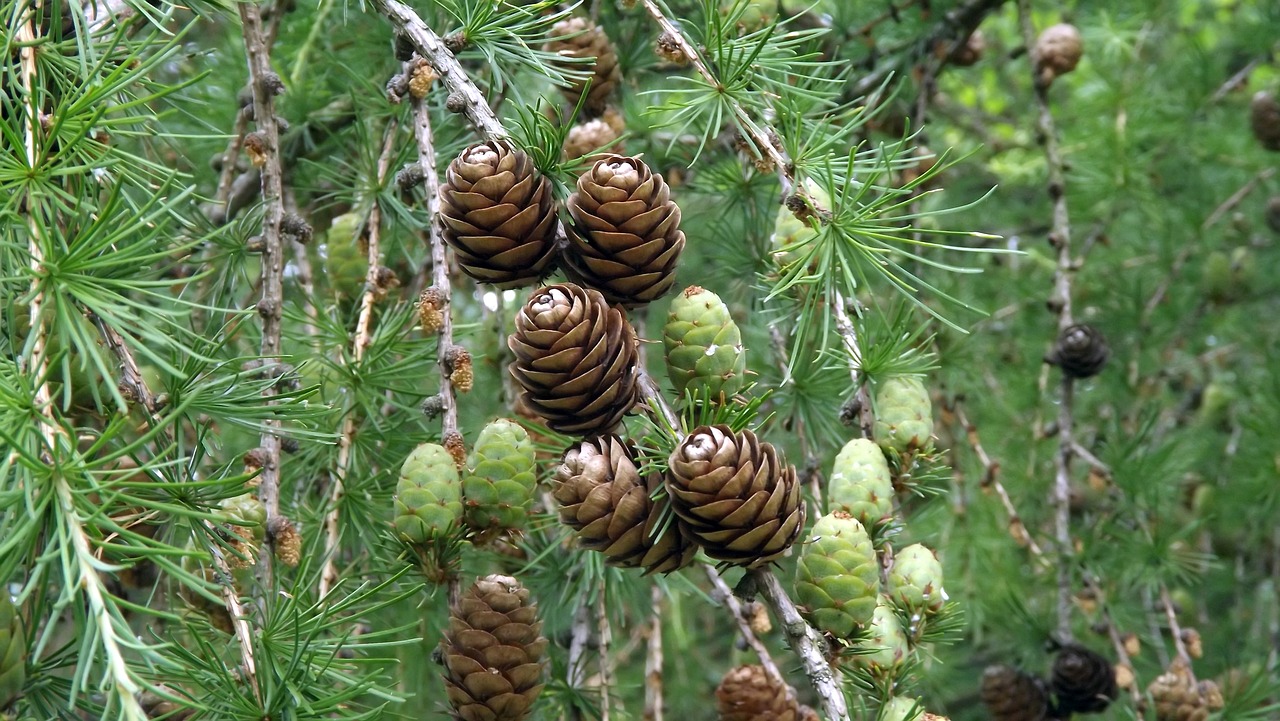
x=806, y=642
x=1122, y=654
x=721, y=593
x=360, y=341
x=605, y=637
x=239, y=620
x=651, y=393
x=265, y=85
x=849, y=335
x=1175, y=630
x=1059, y=300
x=653, y=659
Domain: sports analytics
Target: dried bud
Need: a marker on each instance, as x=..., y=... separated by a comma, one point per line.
x=758, y=618
x=670, y=49
x=255, y=146
x=410, y=177
x=297, y=226
x=454, y=444
x=455, y=42
x=385, y=279
x=420, y=79
x=1191, y=638
x=1057, y=51
x=455, y=103
x=397, y=88
x=431, y=310
x=255, y=459
x=286, y=539
x=290, y=445
x=462, y=375
x=272, y=83
x=404, y=48
x=432, y=406
x=244, y=98
x=1125, y=677
x=1132, y=644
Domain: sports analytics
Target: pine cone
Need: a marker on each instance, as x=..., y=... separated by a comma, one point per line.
x=498, y=486
x=493, y=652
x=1082, y=681
x=13, y=651
x=1178, y=698
x=575, y=359
x=1081, y=351
x=967, y=53
x=735, y=496
x=915, y=583
x=904, y=415
x=596, y=136
x=499, y=215
x=1057, y=51
x=886, y=646
x=704, y=346
x=1264, y=117
x=748, y=693
x=860, y=483
x=428, y=494
x=604, y=499
x=838, y=579
x=1013, y=695
x=579, y=38
x=625, y=238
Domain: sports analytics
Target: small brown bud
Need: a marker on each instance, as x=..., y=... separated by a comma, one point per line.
x=255, y=146
x=758, y=618
x=1191, y=638
x=290, y=445
x=455, y=103
x=455, y=42
x=255, y=459
x=420, y=79
x=432, y=406
x=255, y=245
x=454, y=444
x=272, y=83
x=1132, y=644
x=397, y=88
x=294, y=224
x=670, y=49
x=431, y=310
x=410, y=177
x=1124, y=676
x=286, y=539
x=463, y=375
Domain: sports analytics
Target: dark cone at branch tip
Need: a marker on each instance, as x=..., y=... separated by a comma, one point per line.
x=575, y=359
x=499, y=215
x=1013, y=695
x=1082, y=681
x=625, y=238
x=1081, y=351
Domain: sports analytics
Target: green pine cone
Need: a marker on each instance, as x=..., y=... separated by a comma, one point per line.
x=900, y=708
x=13, y=651
x=887, y=645
x=915, y=582
x=498, y=487
x=837, y=578
x=860, y=483
x=428, y=495
x=248, y=512
x=704, y=346
x=344, y=263
x=790, y=233
x=904, y=415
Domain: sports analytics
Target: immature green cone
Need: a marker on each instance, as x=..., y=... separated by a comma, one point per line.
x=1083, y=681
x=498, y=486
x=915, y=583
x=575, y=359
x=838, y=579
x=625, y=239
x=749, y=693
x=704, y=346
x=887, y=644
x=246, y=512
x=790, y=233
x=428, y=494
x=493, y=651
x=901, y=708
x=13, y=651
x=735, y=495
x=610, y=506
x=579, y=38
x=498, y=213
x=861, y=484
x=1013, y=695
x=345, y=265
x=904, y=415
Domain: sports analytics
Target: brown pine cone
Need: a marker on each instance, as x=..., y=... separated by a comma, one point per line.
x=1178, y=698
x=625, y=238
x=492, y=652
x=1081, y=351
x=605, y=500
x=499, y=215
x=748, y=693
x=1264, y=117
x=967, y=53
x=575, y=359
x=1082, y=681
x=1057, y=51
x=735, y=495
x=595, y=137
x=578, y=37
x=1013, y=695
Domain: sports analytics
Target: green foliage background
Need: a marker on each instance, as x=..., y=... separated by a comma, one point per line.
x=1168, y=195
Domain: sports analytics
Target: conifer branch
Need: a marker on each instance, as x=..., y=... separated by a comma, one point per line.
x=432, y=48
x=1175, y=630
x=806, y=642
x=604, y=637
x=721, y=593
x=651, y=393
x=765, y=147
x=1122, y=654
x=440, y=280
x=849, y=335
x=360, y=341
x=266, y=85
x=1059, y=301
x=653, y=659
x=239, y=619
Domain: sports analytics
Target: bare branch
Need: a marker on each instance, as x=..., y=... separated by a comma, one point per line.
x=849, y=335
x=653, y=659
x=721, y=592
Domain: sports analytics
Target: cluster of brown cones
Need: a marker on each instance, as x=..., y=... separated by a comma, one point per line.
x=1177, y=695
x=1082, y=681
x=499, y=216
x=749, y=693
